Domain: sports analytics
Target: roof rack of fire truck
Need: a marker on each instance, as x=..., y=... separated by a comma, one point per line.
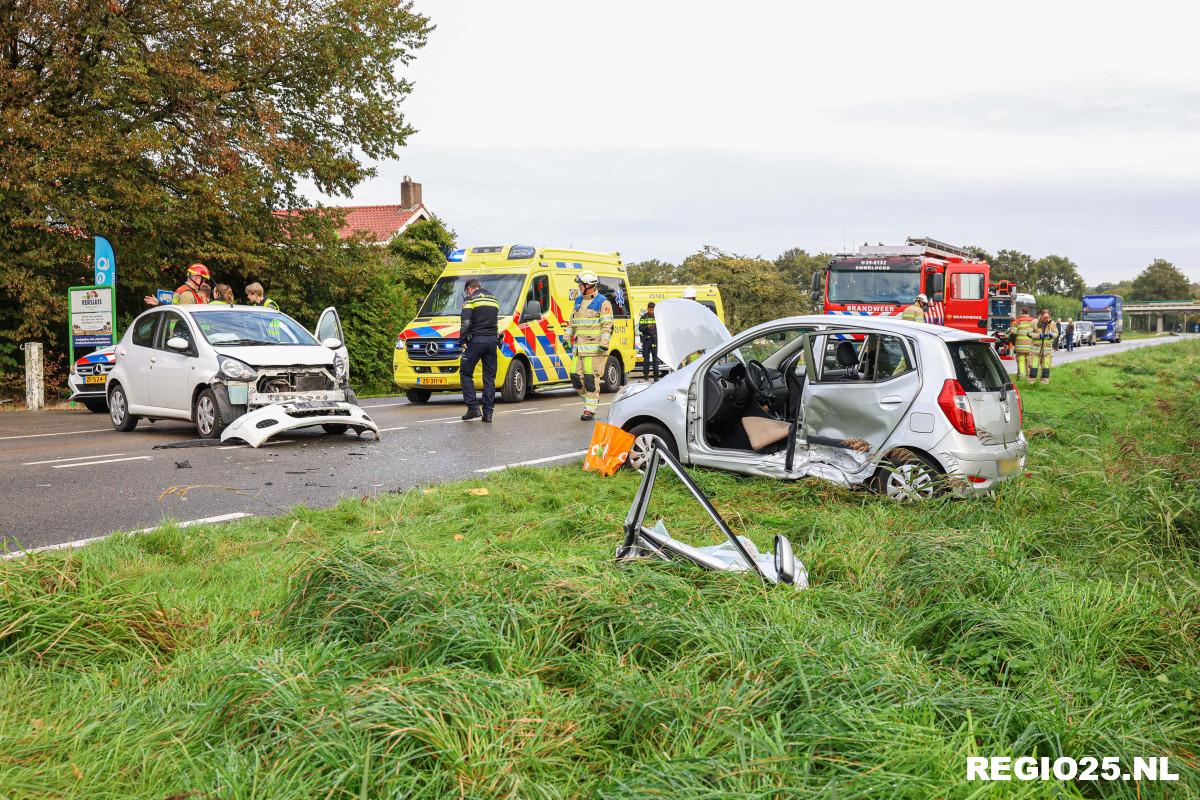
x=915, y=246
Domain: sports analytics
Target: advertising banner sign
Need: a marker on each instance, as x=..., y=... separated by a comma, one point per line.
x=92, y=316
x=105, y=263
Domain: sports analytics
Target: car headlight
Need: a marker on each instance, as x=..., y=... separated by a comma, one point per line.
x=236, y=370
x=339, y=367
x=630, y=389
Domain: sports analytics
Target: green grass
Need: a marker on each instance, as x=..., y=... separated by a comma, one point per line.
x=437, y=643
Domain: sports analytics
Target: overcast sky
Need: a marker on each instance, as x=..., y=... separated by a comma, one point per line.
x=654, y=128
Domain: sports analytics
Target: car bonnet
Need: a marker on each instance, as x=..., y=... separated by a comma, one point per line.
x=686, y=327
x=280, y=355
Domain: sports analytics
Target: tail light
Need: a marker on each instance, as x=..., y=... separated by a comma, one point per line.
x=957, y=407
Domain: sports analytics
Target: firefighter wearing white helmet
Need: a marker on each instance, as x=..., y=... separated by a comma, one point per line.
x=589, y=333
x=689, y=293
x=916, y=312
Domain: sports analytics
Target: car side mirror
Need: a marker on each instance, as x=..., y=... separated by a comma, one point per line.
x=785, y=562
x=333, y=343
x=177, y=343
x=532, y=310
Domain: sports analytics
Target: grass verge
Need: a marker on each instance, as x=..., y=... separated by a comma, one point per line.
x=443, y=642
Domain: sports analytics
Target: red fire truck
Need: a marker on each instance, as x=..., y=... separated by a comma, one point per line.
x=885, y=279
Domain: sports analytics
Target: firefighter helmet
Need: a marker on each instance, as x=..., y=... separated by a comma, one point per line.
x=689, y=293
x=921, y=298
x=587, y=278
x=199, y=269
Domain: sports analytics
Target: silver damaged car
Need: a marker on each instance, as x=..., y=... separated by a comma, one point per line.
x=905, y=408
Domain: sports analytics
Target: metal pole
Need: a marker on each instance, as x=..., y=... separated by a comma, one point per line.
x=35, y=390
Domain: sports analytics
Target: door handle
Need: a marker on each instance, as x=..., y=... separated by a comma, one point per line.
x=891, y=401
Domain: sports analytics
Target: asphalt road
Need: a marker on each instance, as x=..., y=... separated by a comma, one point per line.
x=67, y=476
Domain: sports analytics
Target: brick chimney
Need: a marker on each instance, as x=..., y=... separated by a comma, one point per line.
x=410, y=194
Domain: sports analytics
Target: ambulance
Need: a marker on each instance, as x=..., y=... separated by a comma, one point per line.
x=707, y=295
x=536, y=290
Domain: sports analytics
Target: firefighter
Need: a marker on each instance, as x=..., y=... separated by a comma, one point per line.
x=1019, y=333
x=479, y=334
x=916, y=312
x=189, y=291
x=257, y=297
x=648, y=328
x=589, y=333
x=1041, y=350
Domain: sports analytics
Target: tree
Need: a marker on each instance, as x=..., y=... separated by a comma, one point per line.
x=177, y=130
x=796, y=267
x=651, y=272
x=1162, y=280
x=420, y=254
x=1057, y=275
x=752, y=289
x=1013, y=265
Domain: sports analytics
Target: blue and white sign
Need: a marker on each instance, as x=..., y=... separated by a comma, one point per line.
x=105, y=262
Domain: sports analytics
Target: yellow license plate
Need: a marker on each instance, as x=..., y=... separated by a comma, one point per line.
x=1008, y=466
x=95, y=378
x=432, y=381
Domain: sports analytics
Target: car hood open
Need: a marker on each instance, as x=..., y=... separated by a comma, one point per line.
x=279, y=355
x=686, y=327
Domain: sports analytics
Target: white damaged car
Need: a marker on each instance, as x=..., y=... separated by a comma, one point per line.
x=907, y=408
x=237, y=372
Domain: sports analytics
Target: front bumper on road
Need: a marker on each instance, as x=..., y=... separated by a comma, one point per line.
x=261, y=424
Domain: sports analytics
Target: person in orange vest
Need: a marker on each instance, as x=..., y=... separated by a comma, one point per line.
x=191, y=289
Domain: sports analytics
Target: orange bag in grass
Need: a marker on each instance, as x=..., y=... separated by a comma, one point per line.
x=608, y=449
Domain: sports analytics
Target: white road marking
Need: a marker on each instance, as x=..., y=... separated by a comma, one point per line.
x=105, y=461
x=540, y=411
x=533, y=461
x=399, y=428
x=82, y=542
x=72, y=458
x=60, y=433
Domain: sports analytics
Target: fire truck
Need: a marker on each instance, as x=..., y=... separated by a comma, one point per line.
x=1005, y=304
x=885, y=279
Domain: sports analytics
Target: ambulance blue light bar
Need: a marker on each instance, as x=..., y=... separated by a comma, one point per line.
x=457, y=255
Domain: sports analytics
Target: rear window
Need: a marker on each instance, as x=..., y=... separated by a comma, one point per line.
x=977, y=367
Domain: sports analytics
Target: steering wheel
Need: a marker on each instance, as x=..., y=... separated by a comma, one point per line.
x=760, y=380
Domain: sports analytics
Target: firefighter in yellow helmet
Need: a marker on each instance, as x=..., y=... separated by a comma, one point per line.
x=1019, y=333
x=1041, y=349
x=589, y=333
x=916, y=312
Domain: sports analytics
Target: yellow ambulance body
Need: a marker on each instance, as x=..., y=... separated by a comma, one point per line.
x=536, y=290
x=707, y=294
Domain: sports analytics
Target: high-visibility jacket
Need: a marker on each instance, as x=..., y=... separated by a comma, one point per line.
x=1042, y=336
x=591, y=324
x=914, y=313
x=1022, y=328
x=187, y=295
x=269, y=303
x=480, y=313
x=648, y=327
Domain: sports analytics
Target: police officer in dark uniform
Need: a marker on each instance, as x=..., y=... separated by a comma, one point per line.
x=648, y=328
x=478, y=335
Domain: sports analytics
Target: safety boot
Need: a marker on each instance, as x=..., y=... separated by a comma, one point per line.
x=472, y=413
x=587, y=416
x=487, y=416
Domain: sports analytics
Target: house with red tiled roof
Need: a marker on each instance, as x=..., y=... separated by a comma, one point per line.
x=380, y=224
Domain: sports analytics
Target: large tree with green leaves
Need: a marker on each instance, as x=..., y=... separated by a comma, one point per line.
x=652, y=272
x=1162, y=280
x=752, y=289
x=420, y=254
x=176, y=129
x=796, y=267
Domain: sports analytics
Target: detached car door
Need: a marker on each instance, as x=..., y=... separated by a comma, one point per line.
x=860, y=386
x=329, y=326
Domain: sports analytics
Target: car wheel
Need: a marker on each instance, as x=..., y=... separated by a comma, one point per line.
x=516, y=383
x=905, y=476
x=118, y=409
x=418, y=395
x=644, y=435
x=96, y=405
x=613, y=377
x=206, y=413
x=335, y=428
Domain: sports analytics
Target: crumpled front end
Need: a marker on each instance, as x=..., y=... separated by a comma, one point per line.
x=261, y=424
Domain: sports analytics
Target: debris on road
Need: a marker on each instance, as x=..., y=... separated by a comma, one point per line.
x=255, y=427
x=478, y=491
x=183, y=465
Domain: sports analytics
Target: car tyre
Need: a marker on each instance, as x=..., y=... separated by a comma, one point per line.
x=206, y=414
x=613, y=376
x=96, y=405
x=644, y=433
x=335, y=428
x=516, y=382
x=418, y=396
x=118, y=409
x=906, y=476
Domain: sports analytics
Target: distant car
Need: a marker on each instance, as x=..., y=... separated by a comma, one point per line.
x=1085, y=333
x=907, y=408
x=89, y=378
x=233, y=369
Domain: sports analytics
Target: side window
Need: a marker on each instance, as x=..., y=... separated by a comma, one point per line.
x=966, y=285
x=892, y=358
x=614, y=289
x=143, y=330
x=172, y=325
x=539, y=289
x=859, y=358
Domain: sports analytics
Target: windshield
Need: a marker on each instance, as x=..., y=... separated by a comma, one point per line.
x=977, y=367
x=1098, y=316
x=446, y=297
x=873, y=287
x=238, y=328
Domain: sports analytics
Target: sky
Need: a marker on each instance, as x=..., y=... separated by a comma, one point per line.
x=654, y=128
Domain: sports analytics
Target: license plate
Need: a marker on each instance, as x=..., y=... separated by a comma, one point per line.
x=95, y=378
x=1008, y=466
x=431, y=381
